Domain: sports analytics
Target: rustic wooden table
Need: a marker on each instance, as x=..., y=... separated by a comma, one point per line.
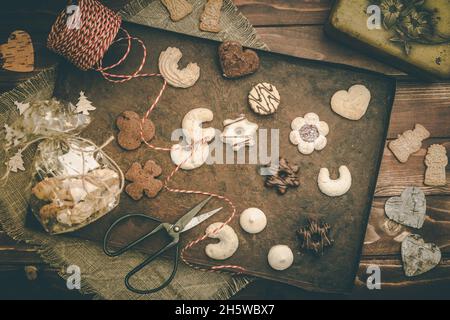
x=293, y=27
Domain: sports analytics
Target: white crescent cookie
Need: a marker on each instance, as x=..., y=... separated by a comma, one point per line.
x=168, y=67
x=193, y=152
x=264, y=98
x=228, y=241
x=334, y=188
x=183, y=156
x=192, y=125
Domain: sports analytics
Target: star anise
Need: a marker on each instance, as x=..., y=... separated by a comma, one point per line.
x=315, y=236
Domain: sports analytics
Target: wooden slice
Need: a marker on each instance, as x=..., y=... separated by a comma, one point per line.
x=18, y=53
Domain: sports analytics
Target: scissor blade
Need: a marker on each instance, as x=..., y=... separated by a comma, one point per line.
x=184, y=220
x=199, y=219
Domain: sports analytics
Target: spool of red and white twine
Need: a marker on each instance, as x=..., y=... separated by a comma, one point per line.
x=86, y=46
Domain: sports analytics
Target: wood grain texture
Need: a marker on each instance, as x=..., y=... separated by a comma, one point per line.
x=391, y=288
x=38, y=30
x=424, y=103
x=292, y=27
x=435, y=229
x=394, y=176
x=285, y=12
x=310, y=42
x=35, y=17
x=394, y=284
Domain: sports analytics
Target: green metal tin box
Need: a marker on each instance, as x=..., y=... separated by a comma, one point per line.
x=411, y=35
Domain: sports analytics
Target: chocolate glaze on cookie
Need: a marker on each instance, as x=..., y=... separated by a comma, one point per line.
x=264, y=98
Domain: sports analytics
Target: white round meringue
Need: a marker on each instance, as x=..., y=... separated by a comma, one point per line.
x=253, y=220
x=280, y=257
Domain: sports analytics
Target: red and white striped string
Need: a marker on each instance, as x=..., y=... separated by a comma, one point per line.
x=123, y=78
x=86, y=48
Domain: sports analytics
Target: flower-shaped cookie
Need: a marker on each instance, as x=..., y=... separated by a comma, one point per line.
x=309, y=133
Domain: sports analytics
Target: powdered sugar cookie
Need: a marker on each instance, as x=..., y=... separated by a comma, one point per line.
x=337, y=187
x=309, y=133
x=239, y=132
x=351, y=104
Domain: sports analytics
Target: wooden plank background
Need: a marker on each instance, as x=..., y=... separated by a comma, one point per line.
x=293, y=27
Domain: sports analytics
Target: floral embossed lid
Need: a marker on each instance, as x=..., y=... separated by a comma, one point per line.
x=414, y=35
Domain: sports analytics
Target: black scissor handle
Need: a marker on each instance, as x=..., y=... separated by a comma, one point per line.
x=149, y=260
x=132, y=244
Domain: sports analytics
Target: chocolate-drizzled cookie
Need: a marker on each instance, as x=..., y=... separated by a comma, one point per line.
x=283, y=176
x=264, y=98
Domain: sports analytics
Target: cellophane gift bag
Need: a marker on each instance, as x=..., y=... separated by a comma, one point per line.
x=74, y=182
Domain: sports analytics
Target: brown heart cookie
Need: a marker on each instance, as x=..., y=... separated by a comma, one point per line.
x=235, y=61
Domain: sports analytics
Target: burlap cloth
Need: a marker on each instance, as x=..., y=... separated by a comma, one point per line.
x=101, y=275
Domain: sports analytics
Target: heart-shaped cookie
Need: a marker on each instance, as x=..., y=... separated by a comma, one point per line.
x=419, y=257
x=351, y=104
x=235, y=61
x=408, y=209
x=18, y=53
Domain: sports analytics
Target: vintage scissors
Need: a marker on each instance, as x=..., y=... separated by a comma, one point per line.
x=186, y=222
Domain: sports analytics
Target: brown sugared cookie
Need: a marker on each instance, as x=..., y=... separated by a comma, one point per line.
x=129, y=124
x=210, y=18
x=143, y=180
x=178, y=9
x=235, y=61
